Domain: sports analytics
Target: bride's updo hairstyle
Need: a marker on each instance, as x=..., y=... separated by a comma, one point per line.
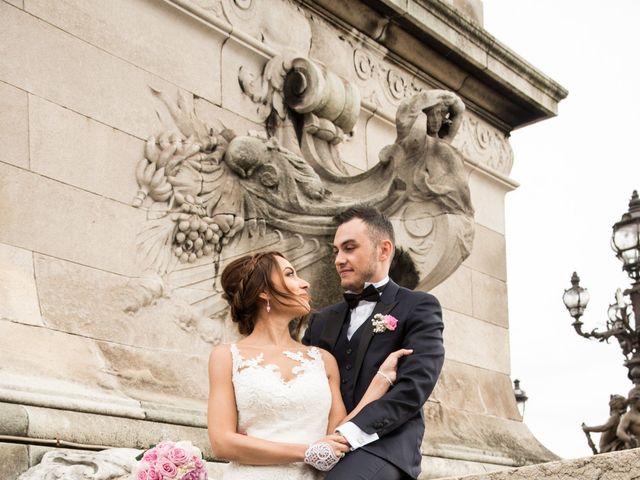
x=244, y=279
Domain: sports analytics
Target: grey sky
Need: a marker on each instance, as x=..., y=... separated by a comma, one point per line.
x=577, y=173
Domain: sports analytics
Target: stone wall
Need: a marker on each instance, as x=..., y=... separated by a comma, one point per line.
x=95, y=353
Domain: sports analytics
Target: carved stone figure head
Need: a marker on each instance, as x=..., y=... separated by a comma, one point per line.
x=634, y=397
x=617, y=403
x=363, y=245
x=438, y=120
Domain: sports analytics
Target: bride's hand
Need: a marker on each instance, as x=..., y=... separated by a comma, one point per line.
x=326, y=452
x=389, y=367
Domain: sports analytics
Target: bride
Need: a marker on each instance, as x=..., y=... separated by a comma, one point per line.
x=274, y=403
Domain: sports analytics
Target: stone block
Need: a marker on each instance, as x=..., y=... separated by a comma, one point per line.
x=488, y=254
x=331, y=50
x=490, y=299
x=459, y=434
x=45, y=367
x=475, y=342
x=16, y=3
x=52, y=64
x=167, y=42
x=18, y=293
x=13, y=420
x=263, y=22
x=143, y=374
x=14, y=126
x=425, y=58
x=518, y=82
x=236, y=55
x=220, y=118
x=14, y=460
x=475, y=390
x=95, y=304
x=607, y=466
x=100, y=159
x=487, y=197
x=109, y=430
x=380, y=133
x=474, y=90
x=50, y=217
x=456, y=292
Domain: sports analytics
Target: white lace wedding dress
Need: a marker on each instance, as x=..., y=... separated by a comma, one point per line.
x=294, y=411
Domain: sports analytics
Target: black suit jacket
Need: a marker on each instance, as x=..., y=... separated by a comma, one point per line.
x=397, y=417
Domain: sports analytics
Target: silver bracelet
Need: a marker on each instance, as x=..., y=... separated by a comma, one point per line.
x=386, y=377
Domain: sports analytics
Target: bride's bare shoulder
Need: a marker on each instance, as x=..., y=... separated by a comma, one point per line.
x=221, y=353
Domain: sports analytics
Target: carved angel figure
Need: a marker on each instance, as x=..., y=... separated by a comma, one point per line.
x=609, y=441
x=629, y=428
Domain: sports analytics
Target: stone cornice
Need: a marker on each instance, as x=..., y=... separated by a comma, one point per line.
x=485, y=71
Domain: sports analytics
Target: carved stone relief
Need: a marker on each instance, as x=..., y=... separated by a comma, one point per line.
x=476, y=140
x=261, y=21
x=377, y=76
x=212, y=194
x=484, y=144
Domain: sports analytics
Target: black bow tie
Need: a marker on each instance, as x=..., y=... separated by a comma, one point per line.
x=369, y=294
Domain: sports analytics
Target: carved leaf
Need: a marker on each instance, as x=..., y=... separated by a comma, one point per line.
x=155, y=245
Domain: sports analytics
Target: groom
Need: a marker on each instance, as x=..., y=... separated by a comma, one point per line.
x=385, y=437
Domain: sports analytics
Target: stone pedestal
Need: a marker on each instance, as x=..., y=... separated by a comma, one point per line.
x=96, y=350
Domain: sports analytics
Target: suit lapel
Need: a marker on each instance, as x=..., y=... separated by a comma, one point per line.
x=384, y=306
x=332, y=326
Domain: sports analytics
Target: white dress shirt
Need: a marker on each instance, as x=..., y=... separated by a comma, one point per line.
x=355, y=436
x=363, y=311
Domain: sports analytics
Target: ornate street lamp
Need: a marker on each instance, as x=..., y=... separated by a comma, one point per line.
x=625, y=241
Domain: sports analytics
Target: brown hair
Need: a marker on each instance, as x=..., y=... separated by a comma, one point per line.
x=244, y=279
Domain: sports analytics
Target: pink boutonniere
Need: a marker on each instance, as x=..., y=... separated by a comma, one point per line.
x=382, y=323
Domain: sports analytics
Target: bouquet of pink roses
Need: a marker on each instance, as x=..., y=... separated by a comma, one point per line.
x=171, y=460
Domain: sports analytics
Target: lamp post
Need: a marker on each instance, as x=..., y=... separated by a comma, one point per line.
x=622, y=323
x=521, y=396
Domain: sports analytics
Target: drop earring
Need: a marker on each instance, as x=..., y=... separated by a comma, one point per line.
x=268, y=306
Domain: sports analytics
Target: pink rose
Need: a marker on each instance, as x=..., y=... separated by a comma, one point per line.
x=167, y=468
x=164, y=448
x=153, y=474
x=142, y=475
x=391, y=322
x=150, y=456
x=192, y=475
x=198, y=462
x=178, y=456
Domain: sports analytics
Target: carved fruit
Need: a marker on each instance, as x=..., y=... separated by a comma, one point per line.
x=144, y=175
x=151, y=150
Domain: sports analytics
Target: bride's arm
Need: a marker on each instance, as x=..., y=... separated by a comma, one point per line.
x=226, y=442
x=377, y=388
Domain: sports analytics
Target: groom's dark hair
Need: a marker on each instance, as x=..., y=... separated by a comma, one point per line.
x=376, y=221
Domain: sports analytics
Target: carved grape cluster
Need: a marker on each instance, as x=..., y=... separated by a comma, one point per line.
x=196, y=234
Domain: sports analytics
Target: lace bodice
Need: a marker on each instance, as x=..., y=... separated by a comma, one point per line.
x=272, y=408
